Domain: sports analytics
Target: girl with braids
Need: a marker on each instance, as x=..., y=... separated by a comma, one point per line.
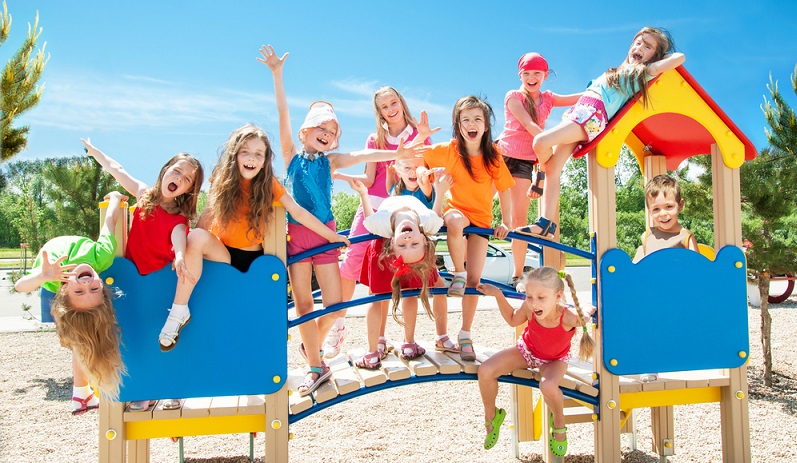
x=651, y=53
x=525, y=111
x=405, y=259
x=84, y=316
x=160, y=225
x=544, y=345
x=478, y=170
x=240, y=204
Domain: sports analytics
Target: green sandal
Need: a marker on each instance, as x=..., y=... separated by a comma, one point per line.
x=492, y=437
x=558, y=447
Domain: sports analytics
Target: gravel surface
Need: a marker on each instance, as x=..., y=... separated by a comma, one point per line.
x=433, y=422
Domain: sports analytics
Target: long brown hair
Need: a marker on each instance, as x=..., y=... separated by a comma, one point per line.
x=93, y=334
x=551, y=278
x=226, y=191
x=486, y=146
x=185, y=204
x=636, y=74
x=381, y=132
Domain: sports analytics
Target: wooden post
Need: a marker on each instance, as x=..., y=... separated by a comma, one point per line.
x=728, y=231
x=603, y=222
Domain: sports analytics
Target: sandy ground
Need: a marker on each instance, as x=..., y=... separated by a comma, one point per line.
x=436, y=422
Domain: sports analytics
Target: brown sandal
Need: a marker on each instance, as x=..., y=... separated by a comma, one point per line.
x=367, y=361
x=411, y=351
x=440, y=345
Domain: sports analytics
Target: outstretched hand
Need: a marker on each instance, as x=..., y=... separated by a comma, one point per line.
x=424, y=131
x=271, y=59
x=358, y=186
x=412, y=151
x=443, y=181
x=88, y=148
x=56, y=271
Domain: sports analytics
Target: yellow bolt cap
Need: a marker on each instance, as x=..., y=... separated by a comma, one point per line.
x=276, y=378
x=668, y=444
x=739, y=265
x=110, y=434
x=594, y=417
x=611, y=404
x=290, y=436
x=611, y=269
x=742, y=354
x=275, y=276
x=276, y=424
x=739, y=395
x=109, y=281
x=613, y=362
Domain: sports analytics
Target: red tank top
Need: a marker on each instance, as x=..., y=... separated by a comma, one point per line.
x=547, y=343
x=149, y=244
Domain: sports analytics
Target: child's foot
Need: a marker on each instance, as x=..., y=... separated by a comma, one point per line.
x=558, y=440
x=457, y=287
x=370, y=361
x=383, y=347
x=179, y=316
x=81, y=405
x=519, y=284
x=139, y=406
x=542, y=228
x=445, y=344
x=537, y=183
x=411, y=351
x=334, y=341
x=493, y=428
x=316, y=376
x=466, y=351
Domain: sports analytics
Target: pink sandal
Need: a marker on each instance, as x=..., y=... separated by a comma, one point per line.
x=411, y=351
x=84, y=405
x=440, y=345
x=310, y=384
x=367, y=362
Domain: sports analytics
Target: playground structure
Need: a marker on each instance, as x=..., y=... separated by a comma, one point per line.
x=212, y=368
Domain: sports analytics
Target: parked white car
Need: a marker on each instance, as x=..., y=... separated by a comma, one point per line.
x=497, y=267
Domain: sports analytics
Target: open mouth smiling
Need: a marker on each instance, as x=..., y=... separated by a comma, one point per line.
x=172, y=187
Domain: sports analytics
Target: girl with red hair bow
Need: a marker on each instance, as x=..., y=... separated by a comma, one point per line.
x=404, y=259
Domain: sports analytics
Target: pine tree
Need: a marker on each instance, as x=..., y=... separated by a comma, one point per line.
x=18, y=83
x=769, y=189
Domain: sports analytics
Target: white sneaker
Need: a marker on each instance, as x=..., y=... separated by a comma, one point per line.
x=334, y=341
x=520, y=284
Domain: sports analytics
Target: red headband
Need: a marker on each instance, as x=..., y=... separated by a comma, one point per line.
x=403, y=268
x=532, y=62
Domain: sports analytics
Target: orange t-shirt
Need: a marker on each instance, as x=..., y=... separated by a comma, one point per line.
x=234, y=233
x=473, y=196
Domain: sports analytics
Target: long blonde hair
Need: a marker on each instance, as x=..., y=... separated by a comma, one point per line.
x=226, y=191
x=185, y=204
x=636, y=74
x=552, y=279
x=93, y=334
x=418, y=269
x=381, y=131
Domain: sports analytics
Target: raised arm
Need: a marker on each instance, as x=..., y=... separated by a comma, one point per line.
x=360, y=188
x=671, y=61
x=442, y=182
x=276, y=63
x=343, y=160
x=128, y=182
x=566, y=100
x=424, y=131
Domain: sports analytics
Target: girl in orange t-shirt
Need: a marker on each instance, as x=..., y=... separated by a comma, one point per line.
x=240, y=203
x=478, y=169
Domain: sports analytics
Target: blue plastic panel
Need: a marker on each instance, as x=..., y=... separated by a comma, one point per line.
x=675, y=310
x=235, y=343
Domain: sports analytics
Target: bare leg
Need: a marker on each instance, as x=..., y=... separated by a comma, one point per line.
x=440, y=309
x=300, y=274
x=552, y=188
x=477, y=250
x=328, y=276
x=200, y=245
x=455, y=222
x=79, y=378
x=409, y=308
x=519, y=218
x=372, y=322
x=503, y=362
x=552, y=374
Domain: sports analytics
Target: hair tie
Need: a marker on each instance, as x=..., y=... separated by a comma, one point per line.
x=400, y=267
x=562, y=274
x=585, y=329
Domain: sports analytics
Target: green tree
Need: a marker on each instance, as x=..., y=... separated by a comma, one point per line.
x=19, y=85
x=769, y=186
x=344, y=206
x=74, y=187
x=26, y=204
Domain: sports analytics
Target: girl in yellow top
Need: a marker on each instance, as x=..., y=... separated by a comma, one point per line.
x=477, y=167
x=240, y=204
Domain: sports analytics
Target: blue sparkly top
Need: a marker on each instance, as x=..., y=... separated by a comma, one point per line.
x=309, y=181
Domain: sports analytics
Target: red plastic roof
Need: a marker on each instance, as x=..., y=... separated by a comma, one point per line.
x=676, y=136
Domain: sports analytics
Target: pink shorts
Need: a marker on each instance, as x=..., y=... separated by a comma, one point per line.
x=531, y=359
x=301, y=238
x=590, y=114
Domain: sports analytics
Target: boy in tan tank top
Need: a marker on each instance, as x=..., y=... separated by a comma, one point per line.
x=663, y=198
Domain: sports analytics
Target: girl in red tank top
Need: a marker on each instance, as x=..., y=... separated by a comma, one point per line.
x=544, y=345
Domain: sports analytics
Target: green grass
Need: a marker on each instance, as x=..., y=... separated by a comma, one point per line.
x=10, y=257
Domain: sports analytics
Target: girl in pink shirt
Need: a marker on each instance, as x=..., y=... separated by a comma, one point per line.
x=525, y=111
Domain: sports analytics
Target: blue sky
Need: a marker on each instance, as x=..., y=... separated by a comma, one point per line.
x=148, y=79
